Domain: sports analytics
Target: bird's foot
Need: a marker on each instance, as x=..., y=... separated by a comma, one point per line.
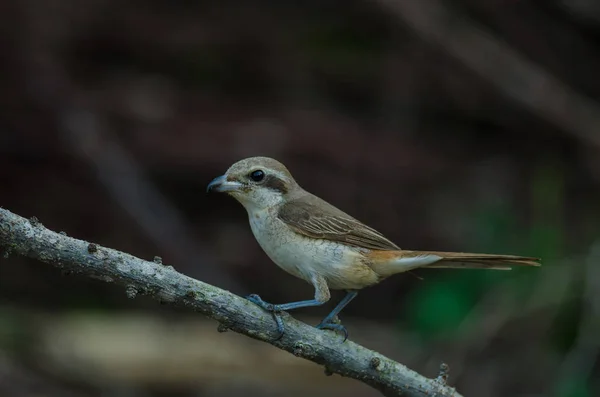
x=334, y=327
x=274, y=309
x=254, y=298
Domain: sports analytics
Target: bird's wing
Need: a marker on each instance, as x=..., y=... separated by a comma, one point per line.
x=313, y=217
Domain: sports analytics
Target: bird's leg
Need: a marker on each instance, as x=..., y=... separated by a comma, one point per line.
x=322, y=295
x=328, y=323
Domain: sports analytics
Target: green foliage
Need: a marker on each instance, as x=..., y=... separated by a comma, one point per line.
x=441, y=305
x=575, y=386
x=547, y=205
x=566, y=324
x=438, y=308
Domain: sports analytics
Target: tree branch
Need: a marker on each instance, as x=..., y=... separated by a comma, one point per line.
x=30, y=238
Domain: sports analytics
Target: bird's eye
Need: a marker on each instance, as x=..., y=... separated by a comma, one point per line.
x=257, y=175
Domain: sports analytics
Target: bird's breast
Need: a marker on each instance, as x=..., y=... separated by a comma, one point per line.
x=342, y=266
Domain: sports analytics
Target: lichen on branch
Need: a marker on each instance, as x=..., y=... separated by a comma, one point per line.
x=28, y=237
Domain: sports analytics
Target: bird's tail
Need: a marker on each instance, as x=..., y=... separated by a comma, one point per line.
x=387, y=263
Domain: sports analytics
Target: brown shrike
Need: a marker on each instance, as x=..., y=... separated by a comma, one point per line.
x=313, y=240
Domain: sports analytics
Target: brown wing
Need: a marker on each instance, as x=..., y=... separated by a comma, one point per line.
x=310, y=216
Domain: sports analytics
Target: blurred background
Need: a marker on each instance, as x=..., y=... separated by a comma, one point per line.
x=466, y=126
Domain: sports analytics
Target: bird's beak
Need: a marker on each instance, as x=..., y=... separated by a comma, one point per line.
x=221, y=184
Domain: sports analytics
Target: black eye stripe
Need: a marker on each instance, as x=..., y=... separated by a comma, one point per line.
x=274, y=183
x=269, y=181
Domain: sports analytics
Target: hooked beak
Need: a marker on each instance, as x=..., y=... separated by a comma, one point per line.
x=221, y=184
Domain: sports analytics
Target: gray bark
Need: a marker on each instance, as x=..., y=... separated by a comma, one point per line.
x=31, y=239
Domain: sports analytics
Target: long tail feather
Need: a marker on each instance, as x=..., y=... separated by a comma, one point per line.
x=480, y=261
x=386, y=263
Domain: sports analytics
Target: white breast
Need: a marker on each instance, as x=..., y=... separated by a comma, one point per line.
x=299, y=255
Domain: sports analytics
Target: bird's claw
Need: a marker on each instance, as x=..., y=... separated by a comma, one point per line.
x=274, y=309
x=334, y=327
x=258, y=301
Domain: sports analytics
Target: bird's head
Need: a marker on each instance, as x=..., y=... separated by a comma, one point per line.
x=256, y=182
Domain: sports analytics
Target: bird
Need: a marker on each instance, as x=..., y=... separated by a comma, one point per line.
x=312, y=240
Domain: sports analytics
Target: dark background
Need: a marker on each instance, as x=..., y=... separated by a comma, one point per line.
x=466, y=125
